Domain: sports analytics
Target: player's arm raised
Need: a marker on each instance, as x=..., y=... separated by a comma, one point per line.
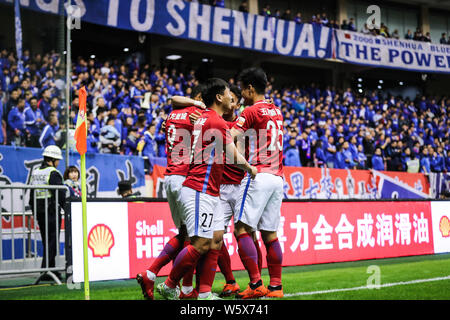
x=179, y=102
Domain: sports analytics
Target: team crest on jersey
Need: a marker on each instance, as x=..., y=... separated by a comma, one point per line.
x=240, y=121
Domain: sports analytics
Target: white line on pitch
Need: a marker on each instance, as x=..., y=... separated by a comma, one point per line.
x=367, y=287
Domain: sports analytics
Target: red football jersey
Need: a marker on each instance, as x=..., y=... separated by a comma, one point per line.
x=231, y=173
x=209, y=138
x=178, y=141
x=263, y=122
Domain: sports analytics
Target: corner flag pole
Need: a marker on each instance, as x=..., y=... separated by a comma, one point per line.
x=85, y=245
x=81, y=145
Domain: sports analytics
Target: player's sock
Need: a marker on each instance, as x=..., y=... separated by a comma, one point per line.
x=208, y=271
x=249, y=256
x=198, y=270
x=224, y=263
x=189, y=276
x=274, y=260
x=260, y=257
x=186, y=260
x=169, y=252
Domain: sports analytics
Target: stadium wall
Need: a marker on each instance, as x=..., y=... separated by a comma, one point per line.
x=134, y=233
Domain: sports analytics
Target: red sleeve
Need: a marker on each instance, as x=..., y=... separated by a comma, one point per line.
x=246, y=120
x=225, y=132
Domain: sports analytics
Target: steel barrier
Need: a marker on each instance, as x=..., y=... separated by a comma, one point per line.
x=23, y=231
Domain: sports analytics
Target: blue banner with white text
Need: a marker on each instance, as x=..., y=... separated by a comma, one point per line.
x=226, y=27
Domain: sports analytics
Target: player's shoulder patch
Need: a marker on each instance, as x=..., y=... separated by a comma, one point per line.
x=240, y=122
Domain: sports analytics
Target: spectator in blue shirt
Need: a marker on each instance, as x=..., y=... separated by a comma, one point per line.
x=438, y=161
x=16, y=122
x=92, y=140
x=137, y=93
x=291, y=154
x=425, y=165
x=160, y=139
x=47, y=137
x=35, y=121
x=109, y=138
x=330, y=151
x=339, y=160
x=320, y=159
x=361, y=158
x=131, y=142
x=150, y=147
x=348, y=156
x=44, y=102
x=377, y=160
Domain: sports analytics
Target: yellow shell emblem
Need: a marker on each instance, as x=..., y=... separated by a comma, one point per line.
x=444, y=226
x=100, y=241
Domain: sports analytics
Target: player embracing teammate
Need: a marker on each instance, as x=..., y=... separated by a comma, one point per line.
x=204, y=197
x=259, y=203
x=201, y=190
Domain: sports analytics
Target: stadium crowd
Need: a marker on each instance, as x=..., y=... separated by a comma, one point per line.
x=322, y=126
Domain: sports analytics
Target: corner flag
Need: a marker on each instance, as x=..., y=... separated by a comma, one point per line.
x=80, y=137
x=81, y=129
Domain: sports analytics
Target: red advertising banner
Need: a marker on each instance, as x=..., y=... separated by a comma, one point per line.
x=324, y=183
x=150, y=227
x=317, y=232
x=309, y=232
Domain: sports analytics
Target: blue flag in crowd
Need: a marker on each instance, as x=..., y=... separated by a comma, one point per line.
x=18, y=25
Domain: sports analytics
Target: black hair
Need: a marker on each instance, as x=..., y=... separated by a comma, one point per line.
x=197, y=90
x=71, y=169
x=255, y=77
x=236, y=90
x=213, y=87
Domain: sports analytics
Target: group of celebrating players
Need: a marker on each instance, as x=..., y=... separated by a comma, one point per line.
x=222, y=166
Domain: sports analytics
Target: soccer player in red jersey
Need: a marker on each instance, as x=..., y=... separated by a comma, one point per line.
x=201, y=189
x=178, y=129
x=232, y=177
x=259, y=204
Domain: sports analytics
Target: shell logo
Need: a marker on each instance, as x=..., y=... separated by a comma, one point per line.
x=100, y=241
x=444, y=226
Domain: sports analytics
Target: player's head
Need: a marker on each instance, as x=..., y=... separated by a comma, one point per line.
x=197, y=92
x=235, y=103
x=253, y=84
x=236, y=94
x=217, y=94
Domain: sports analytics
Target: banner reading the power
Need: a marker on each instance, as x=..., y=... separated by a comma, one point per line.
x=125, y=238
x=355, y=47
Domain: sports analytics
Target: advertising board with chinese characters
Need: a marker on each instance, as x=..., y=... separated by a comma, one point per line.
x=129, y=236
x=324, y=183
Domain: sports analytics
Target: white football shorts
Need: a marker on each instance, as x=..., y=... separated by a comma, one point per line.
x=173, y=185
x=259, y=202
x=200, y=213
x=229, y=194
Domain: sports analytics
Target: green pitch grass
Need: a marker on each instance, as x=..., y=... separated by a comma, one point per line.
x=398, y=281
